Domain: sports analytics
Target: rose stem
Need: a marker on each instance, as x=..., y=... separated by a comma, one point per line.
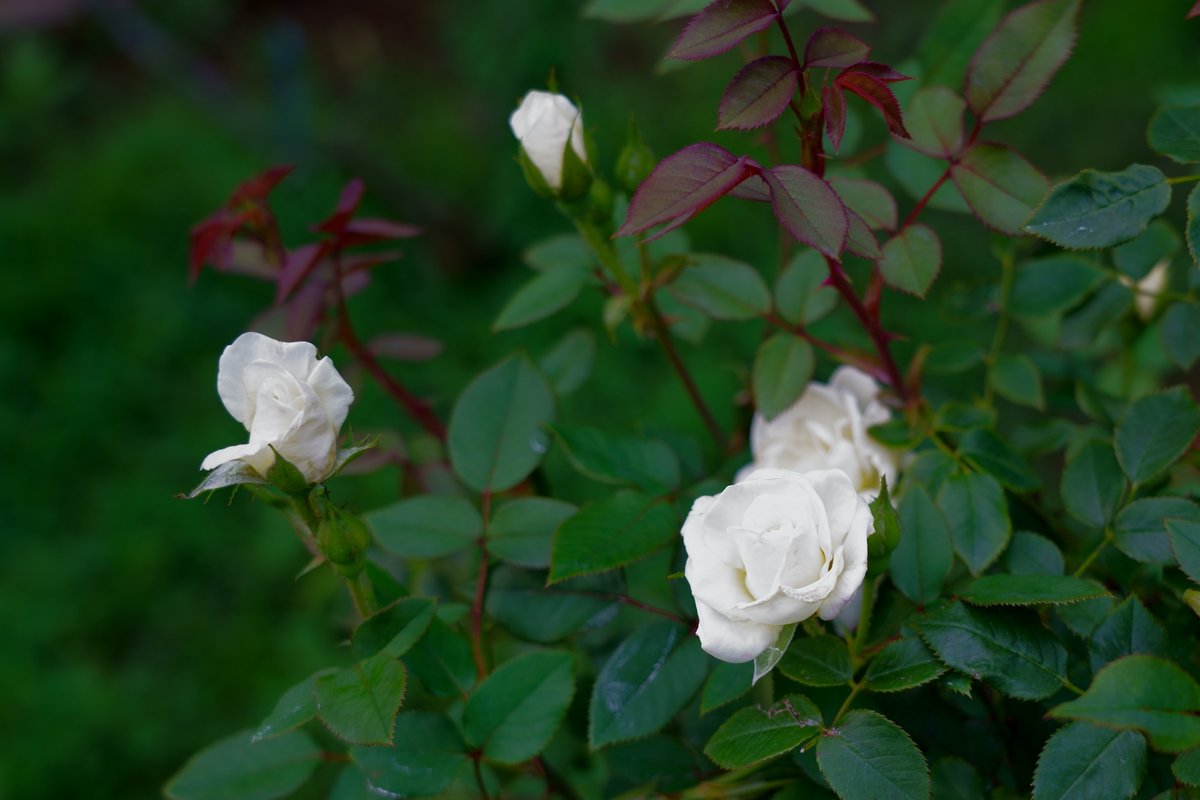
x=485, y=501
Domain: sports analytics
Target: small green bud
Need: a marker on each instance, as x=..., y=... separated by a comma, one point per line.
x=887, y=532
x=635, y=162
x=576, y=177
x=344, y=539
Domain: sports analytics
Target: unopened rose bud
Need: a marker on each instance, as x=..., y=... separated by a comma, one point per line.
x=635, y=162
x=344, y=540
x=550, y=129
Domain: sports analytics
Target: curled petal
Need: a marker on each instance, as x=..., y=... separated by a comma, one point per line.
x=732, y=641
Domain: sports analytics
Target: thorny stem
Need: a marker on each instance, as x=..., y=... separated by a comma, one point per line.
x=480, y=589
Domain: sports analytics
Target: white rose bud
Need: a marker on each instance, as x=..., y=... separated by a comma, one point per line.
x=827, y=429
x=1148, y=289
x=773, y=549
x=543, y=124
x=287, y=399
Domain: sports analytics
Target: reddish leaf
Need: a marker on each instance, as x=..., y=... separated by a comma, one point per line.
x=347, y=204
x=753, y=188
x=375, y=229
x=809, y=208
x=833, y=47
x=210, y=240
x=298, y=265
x=366, y=261
x=720, y=26
x=868, y=199
x=834, y=103
x=683, y=184
x=876, y=92
x=408, y=347
x=257, y=188
x=878, y=71
x=1018, y=59
x=1000, y=186
x=758, y=94
x=1195, y=12
x=859, y=239
x=934, y=122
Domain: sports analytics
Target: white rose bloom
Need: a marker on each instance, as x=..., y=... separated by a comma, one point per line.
x=543, y=123
x=827, y=429
x=772, y=549
x=1148, y=289
x=287, y=399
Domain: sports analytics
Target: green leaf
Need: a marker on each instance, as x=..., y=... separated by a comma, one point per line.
x=1082, y=618
x=974, y=507
x=1081, y=762
x=612, y=458
x=359, y=703
x=1084, y=326
x=427, y=526
x=1053, y=284
x=427, y=755
x=1129, y=629
x=1155, y=431
x=887, y=523
x=644, y=683
x=1192, y=231
x=294, y=708
x=1180, y=329
x=1141, y=532
x=549, y=292
x=1099, y=209
x=540, y=615
x=1000, y=186
x=1175, y=132
x=726, y=683
x=801, y=297
x=1185, y=544
x=1017, y=379
x=950, y=358
x=515, y=711
x=902, y=665
x=1142, y=693
x=869, y=200
x=442, y=662
x=956, y=32
x=496, y=435
x=1007, y=648
x=611, y=533
x=988, y=452
x=722, y=288
x=1016, y=62
x=817, y=661
x=1137, y=257
x=912, y=259
x=1187, y=768
x=564, y=251
x=782, y=368
x=934, y=120
x=918, y=173
x=237, y=768
x=755, y=734
x=955, y=779
x=765, y=661
x=1028, y=590
x=844, y=10
x=568, y=364
x=1093, y=485
x=867, y=757
x=522, y=530
x=395, y=628
x=231, y=473
x=1031, y=554
x=922, y=560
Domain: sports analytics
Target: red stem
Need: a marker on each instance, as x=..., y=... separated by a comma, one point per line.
x=870, y=322
x=668, y=346
x=859, y=359
x=480, y=589
x=629, y=601
x=920, y=206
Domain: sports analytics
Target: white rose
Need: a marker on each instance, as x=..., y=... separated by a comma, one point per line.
x=772, y=549
x=1147, y=290
x=543, y=123
x=827, y=429
x=287, y=399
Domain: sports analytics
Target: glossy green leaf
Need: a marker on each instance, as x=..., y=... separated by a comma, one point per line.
x=1028, y=590
x=867, y=757
x=515, y=711
x=441, y=661
x=870, y=200
x=1099, y=209
x=934, y=118
x=1138, y=256
x=425, y=759
x=1000, y=186
x=1016, y=62
x=359, y=703
x=611, y=533
x=645, y=682
x=902, y=665
x=956, y=32
x=1180, y=329
x=1186, y=768
x=569, y=363
x=782, y=368
x=294, y=708
x=1006, y=647
x=496, y=435
x=1017, y=379
x=237, y=768
x=536, y=614
x=989, y=453
x=912, y=259
x=521, y=531
x=800, y=294
x=1184, y=536
x=756, y=734
x=722, y=288
x=1192, y=232
x=817, y=661
x=426, y=526
x=1175, y=132
x=395, y=628
x=1082, y=618
x=613, y=458
x=765, y=661
x=1142, y=693
x=1053, y=284
x=1093, y=484
x=1127, y=630
x=726, y=683
x=1031, y=554
x=975, y=510
x=1141, y=531
x=1081, y=762
x=1155, y=431
x=922, y=560
x=548, y=293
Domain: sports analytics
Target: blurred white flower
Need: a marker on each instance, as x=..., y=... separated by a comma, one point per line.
x=1147, y=290
x=543, y=123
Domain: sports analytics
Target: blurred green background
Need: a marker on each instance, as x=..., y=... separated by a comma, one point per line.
x=137, y=628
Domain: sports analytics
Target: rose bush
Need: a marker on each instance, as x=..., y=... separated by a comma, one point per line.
x=773, y=549
x=291, y=402
x=545, y=123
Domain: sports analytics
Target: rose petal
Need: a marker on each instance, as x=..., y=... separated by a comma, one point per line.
x=335, y=394
x=732, y=641
x=297, y=358
x=245, y=452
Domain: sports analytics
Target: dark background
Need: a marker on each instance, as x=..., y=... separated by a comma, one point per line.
x=138, y=628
